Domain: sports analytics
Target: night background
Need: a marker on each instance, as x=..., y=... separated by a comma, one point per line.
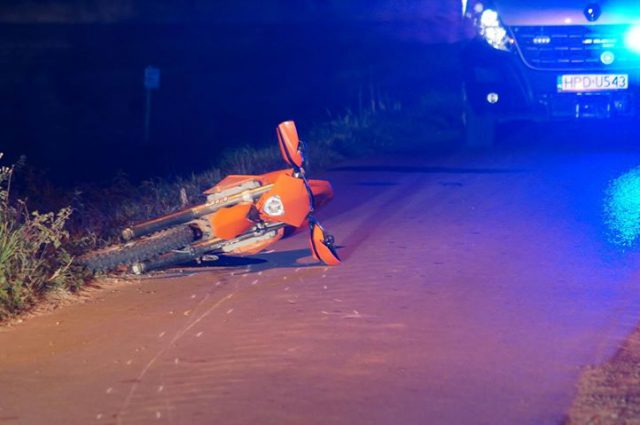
x=72, y=75
x=459, y=247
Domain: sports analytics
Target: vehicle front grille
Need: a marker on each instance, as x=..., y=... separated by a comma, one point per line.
x=574, y=47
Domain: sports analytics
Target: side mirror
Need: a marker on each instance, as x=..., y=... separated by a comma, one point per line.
x=290, y=145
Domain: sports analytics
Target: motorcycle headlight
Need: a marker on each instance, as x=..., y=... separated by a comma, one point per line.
x=490, y=27
x=274, y=206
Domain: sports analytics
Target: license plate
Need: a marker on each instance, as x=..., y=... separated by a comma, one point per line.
x=592, y=82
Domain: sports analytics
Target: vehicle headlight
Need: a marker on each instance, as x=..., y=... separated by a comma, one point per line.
x=491, y=29
x=632, y=39
x=274, y=206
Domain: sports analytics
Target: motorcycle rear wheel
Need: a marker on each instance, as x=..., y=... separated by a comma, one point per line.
x=138, y=250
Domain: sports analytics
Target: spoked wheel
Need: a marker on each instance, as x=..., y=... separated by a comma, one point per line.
x=139, y=249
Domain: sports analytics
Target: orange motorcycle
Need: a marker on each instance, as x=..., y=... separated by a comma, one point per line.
x=242, y=215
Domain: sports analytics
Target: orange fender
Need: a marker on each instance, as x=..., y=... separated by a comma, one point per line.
x=322, y=192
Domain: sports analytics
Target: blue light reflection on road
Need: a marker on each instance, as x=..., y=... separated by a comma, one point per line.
x=622, y=208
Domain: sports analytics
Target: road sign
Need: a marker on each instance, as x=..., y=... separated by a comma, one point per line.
x=151, y=82
x=151, y=78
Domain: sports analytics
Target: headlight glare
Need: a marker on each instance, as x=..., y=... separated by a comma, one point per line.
x=489, y=18
x=632, y=39
x=492, y=30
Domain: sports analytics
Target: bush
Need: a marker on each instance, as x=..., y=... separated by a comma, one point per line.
x=33, y=258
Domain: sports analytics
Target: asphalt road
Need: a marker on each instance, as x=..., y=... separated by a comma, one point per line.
x=474, y=288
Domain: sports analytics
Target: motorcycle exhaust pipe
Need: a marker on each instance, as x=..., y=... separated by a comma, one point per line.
x=177, y=257
x=201, y=248
x=189, y=214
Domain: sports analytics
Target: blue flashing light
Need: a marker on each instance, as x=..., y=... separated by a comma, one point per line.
x=492, y=29
x=632, y=39
x=489, y=18
x=622, y=208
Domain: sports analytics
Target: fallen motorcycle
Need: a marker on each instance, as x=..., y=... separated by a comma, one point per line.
x=242, y=215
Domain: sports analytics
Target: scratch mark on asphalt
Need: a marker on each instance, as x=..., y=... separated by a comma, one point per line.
x=178, y=335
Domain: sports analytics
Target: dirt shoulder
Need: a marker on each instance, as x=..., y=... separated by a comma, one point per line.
x=609, y=394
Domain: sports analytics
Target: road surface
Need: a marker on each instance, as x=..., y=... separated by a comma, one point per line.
x=474, y=288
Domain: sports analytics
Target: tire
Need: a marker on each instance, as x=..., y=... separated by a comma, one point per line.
x=479, y=129
x=138, y=250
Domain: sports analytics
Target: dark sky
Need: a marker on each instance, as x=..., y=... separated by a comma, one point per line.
x=80, y=82
x=437, y=20
x=245, y=10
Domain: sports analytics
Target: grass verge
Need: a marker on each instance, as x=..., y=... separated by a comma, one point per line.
x=33, y=251
x=609, y=394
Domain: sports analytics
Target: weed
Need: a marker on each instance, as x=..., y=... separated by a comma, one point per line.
x=32, y=256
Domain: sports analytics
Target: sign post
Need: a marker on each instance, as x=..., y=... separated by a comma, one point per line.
x=151, y=82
